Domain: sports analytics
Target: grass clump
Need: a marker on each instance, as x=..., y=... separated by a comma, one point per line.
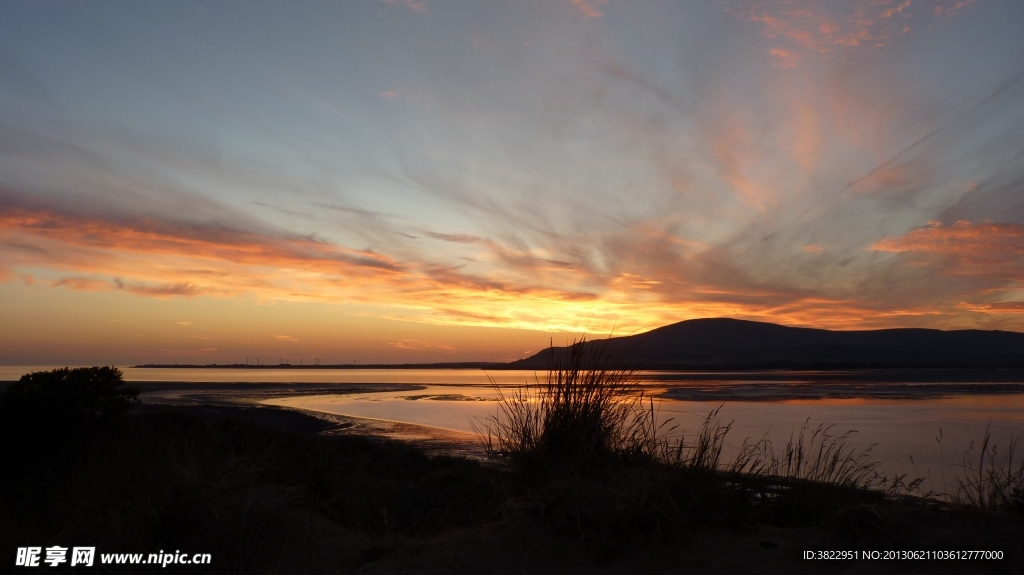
x=589, y=414
x=996, y=481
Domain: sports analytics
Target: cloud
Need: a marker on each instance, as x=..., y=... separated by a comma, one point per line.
x=152, y=257
x=160, y=290
x=82, y=284
x=148, y=234
x=456, y=238
x=973, y=267
x=1000, y=308
x=803, y=28
x=285, y=338
x=977, y=243
x=786, y=58
x=628, y=281
x=418, y=345
x=590, y=8
x=952, y=7
x=414, y=5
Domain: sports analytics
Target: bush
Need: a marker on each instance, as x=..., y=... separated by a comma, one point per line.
x=56, y=404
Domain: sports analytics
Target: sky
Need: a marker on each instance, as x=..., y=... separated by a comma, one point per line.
x=457, y=180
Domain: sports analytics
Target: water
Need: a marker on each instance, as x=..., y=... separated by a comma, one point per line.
x=904, y=432
x=900, y=413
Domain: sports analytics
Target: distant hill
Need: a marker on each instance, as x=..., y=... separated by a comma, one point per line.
x=738, y=344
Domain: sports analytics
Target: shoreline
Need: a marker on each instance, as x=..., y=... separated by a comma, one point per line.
x=223, y=400
x=934, y=373
x=703, y=389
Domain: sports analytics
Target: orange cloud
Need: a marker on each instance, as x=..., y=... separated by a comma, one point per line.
x=980, y=242
x=81, y=284
x=734, y=148
x=628, y=281
x=418, y=345
x=786, y=58
x=669, y=279
x=1011, y=307
x=155, y=258
x=154, y=236
x=952, y=7
x=800, y=28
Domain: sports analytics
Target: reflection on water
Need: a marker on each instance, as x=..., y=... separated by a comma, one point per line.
x=904, y=432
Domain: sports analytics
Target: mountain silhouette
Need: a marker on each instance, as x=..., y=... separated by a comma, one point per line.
x=738, y=344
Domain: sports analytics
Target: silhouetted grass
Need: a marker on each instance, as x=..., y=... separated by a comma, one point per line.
x=996, y=481
x=589, y=413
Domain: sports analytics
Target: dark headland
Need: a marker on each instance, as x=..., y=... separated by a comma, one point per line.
x=718, y=344
x=738, y=344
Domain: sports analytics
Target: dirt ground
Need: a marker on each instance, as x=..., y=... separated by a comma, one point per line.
x=306, y=543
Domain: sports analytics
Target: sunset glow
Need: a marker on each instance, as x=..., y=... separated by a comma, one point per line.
x=441, y=180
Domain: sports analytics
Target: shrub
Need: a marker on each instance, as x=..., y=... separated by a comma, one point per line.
x=49, y=404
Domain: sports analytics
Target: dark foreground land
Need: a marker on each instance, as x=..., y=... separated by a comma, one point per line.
x=275, y=491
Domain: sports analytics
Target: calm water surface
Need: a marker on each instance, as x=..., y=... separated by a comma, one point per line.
x=904, y=432
x=902, y=418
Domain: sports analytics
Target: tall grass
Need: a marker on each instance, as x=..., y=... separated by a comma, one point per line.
x=815, y=454
x=996, y=481
x=590, y=412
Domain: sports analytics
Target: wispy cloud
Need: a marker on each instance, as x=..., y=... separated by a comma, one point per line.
x=414, y=5
x=455, y=238
x=82, y=284
x=978, y=243
x=802, y=28
x=160, y=290
x=590, y=8
x=419, y=345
